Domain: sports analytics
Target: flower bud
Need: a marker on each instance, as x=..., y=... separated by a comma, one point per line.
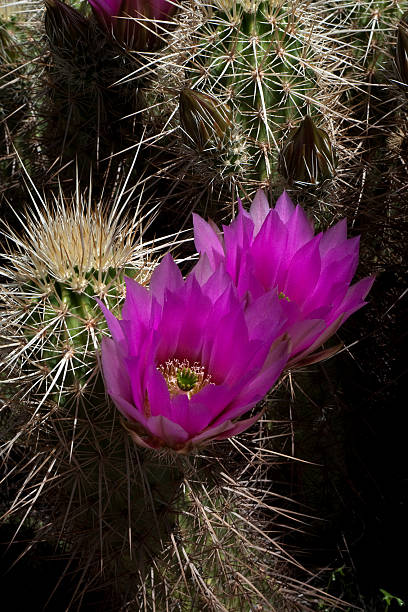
x=140, y=25
x=401, y=51
x=64, y=25
x=307, y=157
x=205, y=120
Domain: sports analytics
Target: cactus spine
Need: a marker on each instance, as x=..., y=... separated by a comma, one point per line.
x=58, y=415
x=264, y=98
x=256, y=56
x=276, y=73
x=152, y=528
x=85, y=115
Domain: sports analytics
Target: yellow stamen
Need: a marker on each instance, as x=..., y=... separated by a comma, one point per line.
x=183, y=378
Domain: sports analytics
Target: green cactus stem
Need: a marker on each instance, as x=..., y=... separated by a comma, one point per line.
x=265, y=60
x=366, y=28
x=272, y=67
x=95, y=489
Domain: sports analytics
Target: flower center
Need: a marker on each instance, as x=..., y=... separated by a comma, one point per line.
x=283, y=296
x=186, y=379
x=183, y=378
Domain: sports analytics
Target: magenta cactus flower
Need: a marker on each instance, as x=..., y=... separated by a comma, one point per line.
x=186, y=360
x=135, y=23
x=277, y=249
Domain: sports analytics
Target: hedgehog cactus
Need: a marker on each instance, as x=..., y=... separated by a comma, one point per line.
x=70, y=254
x=51, y=332
x=110, y=507
x=272, y=72
x=156, y=527
x=367, y=28
x=14, y=96
x=265, y=97
x=369, y=32
x=273, y=94
x=86, y=114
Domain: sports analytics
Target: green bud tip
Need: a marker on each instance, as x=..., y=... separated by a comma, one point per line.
x=205, y=120
x=307, y=157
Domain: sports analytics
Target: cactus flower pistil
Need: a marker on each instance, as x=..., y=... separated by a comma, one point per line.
x=181, y=377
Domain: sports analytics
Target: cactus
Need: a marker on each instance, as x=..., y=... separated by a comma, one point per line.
x=57, y=415
x=14, y=98
x=367, y=28
x=320, y=70
x=258, y=57
x=71, y=253
x=85, y=116
x=151, y=528
x=265, y=100
x=276, y=73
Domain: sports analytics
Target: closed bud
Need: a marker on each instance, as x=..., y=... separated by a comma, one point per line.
x=307, y=157
x=401, y=51
x=64, y=25
x=205, y=120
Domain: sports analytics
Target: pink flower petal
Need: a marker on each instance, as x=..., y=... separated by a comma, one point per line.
x=300, y=231
x=237, y=238
x=332, y=285
x=193, y=328
x=157, y=393
x=203, y=270
x=320, y=339
x=261, y=383
x=113, y=324
x=259, y=210
x=284, y=207
x=171, y=433
x=333, y=237
x=166, y=277
x=268, y=251
x=265, y=316
x=232, y=337
x=303, y=333
x=137, y=372
x=138, y=303
x=239, y=427
x=129, y=411
x=211, y=433
x=114, y=370
x=207, y=241
x=206, y=405
x=170, y=328
x=303, y=271
x=356, y=294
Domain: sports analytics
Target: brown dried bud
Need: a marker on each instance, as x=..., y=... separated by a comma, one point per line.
x=401, y=51
x=64, y=25
x=205, y=120
x=307, y=157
